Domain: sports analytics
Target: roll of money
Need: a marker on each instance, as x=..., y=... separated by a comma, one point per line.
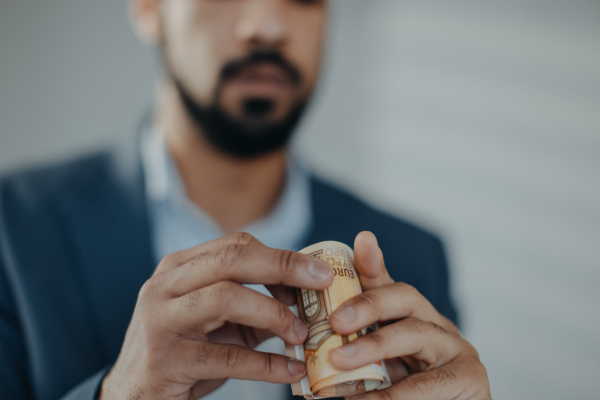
x=314, y=309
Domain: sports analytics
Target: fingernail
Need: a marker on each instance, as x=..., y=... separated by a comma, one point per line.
x=296, y=367
x=347, y=350
x=319, y=270
x=301, y=329
x=345, y=313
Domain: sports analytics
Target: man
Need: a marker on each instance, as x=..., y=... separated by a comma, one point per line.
x=86, y=314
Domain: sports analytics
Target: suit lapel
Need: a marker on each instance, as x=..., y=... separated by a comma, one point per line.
x=331, y=220
x=109, y=220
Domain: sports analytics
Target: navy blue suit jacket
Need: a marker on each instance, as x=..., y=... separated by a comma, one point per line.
x=75, y=250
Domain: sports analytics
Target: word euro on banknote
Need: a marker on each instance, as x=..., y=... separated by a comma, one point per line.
x=314, y=308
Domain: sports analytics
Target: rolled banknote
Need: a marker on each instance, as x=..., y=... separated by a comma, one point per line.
x=314, y=308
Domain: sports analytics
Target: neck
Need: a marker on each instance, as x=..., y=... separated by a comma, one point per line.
x=233, y=191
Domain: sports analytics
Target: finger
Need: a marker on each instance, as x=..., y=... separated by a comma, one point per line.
x=202, y=311
x=179, y=258
x=369, y=263
x=217, y=361
x=285, y=294
x=398, y=368
x=241, y=335
x=248, y=264
x=429, y=343
x=257, y=335
x=462, y=379
x=204, y=387
x=383, y=304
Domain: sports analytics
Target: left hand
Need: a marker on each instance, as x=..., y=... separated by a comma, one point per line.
x=423, y=351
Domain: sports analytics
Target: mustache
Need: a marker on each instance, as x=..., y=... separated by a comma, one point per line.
x=258, y=57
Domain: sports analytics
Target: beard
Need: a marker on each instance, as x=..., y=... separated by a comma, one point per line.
x=250, y=135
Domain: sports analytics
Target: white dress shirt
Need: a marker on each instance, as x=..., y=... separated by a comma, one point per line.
x=176, y=224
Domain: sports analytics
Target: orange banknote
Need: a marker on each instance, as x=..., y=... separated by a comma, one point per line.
x=314, y=308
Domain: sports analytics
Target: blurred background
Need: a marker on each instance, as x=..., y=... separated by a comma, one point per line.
x=477, y=119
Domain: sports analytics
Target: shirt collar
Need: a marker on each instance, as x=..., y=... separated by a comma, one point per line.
x=287, y=226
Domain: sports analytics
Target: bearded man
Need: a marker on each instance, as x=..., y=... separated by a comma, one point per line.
x=124, y=275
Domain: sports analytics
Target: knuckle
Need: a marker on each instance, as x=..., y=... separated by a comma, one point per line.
x=285, y=260
x=282, y=313
x=209, y=261
x=444, y=376
x=409, y=291
x=438, y=328
x=370, y=299
x=420, y=383
x=424, y=384
x=386, y=395
x=191, y=300
x=375, y=342
x=382, y=395
x=224, y=257
x=470, y=350
x=477, y=383
x=231, y=356
x=241, y=238
x=269, y=365
x=204, y=355
x=169, y=261
x=416, y=325
x=228, y=256
x=375, y=338
x=395, y=331
x=221, y=294
x=151, y=288
x=479, y=372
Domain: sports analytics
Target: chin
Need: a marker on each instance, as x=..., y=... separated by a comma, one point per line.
x=259, y=110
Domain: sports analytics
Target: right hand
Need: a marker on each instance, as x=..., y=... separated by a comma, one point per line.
x=195, y=324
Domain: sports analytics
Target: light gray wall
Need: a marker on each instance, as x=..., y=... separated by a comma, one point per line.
x=480, y=119
x=72, y=76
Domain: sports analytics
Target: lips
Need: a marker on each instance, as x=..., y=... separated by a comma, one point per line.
x=265, y=73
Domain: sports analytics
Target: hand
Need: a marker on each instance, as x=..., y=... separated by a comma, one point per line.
x=195, y=324
x=423, y=351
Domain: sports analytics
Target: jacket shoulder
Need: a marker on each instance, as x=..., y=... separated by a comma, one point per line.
x=36, y=185
x=412, y=254
x=350, y=211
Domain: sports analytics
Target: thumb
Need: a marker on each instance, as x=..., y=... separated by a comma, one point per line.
x=369, y=263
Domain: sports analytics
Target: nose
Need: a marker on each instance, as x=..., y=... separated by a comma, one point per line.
x=262, y=24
